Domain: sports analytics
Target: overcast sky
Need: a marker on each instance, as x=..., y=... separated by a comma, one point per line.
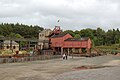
x=73, y=14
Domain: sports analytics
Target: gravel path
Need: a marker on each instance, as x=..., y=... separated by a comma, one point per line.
x=111, y=73
x=58, y=69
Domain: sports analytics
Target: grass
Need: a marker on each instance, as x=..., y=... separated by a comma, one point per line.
x=9, y=52
x=112, y=48
x=5, y=52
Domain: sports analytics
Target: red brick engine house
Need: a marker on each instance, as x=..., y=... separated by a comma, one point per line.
x=65, y=43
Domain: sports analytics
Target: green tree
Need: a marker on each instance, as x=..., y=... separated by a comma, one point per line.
x=18, y=36
x=87, y=33
x=100, y=35
x=77, y=36
x=21, y=29
x=12, y=35
x=70, y=32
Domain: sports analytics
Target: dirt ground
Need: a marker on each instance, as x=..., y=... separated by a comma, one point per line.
x=50, y=69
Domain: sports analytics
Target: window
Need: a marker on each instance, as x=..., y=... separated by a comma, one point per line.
x=40, y=35
x=7, y=47
x=14, y=47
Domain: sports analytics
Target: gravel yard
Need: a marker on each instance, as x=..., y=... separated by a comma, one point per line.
x=58, y=69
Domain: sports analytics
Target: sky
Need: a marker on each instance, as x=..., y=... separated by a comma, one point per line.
x=73, y=14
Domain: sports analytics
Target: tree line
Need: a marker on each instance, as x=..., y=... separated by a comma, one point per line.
x=98, y=36
x=19, y=30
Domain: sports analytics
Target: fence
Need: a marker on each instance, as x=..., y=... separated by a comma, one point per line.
x=24, y=59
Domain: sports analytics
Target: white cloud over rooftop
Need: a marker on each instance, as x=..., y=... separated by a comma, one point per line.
x=73, y=14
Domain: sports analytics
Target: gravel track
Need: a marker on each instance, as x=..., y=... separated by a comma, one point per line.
x=58, y=69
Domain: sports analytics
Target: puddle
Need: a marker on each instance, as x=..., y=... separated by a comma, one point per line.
x=84, y=67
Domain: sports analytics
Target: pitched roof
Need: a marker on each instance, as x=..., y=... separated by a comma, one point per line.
x=8, y=42
x=59, y=35
x=77, y=39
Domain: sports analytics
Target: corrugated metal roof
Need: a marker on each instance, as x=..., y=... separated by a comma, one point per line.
x=59, y=35
x=77, y=39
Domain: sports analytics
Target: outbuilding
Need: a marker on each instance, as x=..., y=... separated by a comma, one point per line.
x=61, y=43
x=7, y=45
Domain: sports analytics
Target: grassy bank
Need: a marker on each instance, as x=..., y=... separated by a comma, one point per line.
x=112, y=48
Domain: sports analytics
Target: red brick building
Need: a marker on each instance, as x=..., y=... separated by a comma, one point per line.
x=66, y=43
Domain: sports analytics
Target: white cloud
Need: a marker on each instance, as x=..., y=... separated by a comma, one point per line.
x=73, y=14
